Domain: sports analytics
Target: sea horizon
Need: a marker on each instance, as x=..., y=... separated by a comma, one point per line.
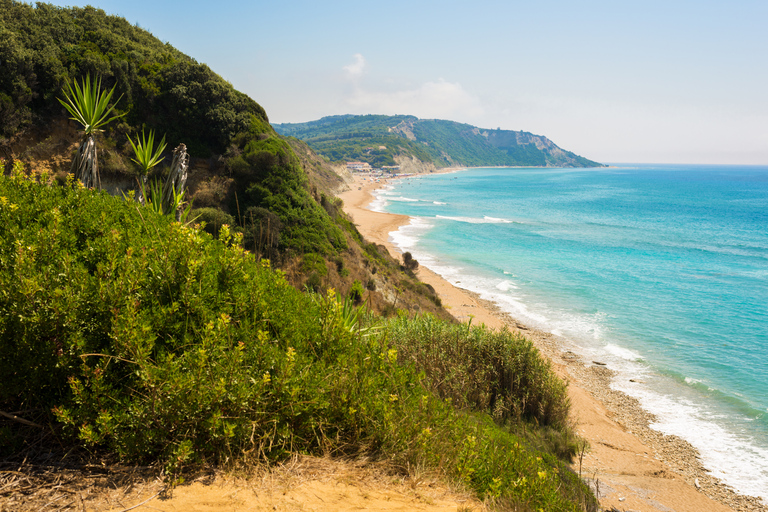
x=658, y=270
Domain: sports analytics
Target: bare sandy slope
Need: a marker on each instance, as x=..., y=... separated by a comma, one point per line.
x=304, y=483
x=637, y=468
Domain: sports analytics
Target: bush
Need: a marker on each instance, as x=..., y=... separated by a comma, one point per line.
x=152, y=341
x=213, y=219
x=409, y=263
x=314, y=263
x=479, y=369
x=313, y=282
x=356, y=292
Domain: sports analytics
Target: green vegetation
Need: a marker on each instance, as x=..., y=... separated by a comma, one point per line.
x=147, y=155
x=132, y=335
x=378, y=139
x=269, y=178
x=44, y=48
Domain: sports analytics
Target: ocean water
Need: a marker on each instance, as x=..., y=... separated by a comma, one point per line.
x=660, y=271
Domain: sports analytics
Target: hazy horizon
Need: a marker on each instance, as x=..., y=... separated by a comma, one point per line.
x=671, y=82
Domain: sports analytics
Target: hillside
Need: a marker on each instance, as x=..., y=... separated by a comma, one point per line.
x=278, y=194
x=390, y=140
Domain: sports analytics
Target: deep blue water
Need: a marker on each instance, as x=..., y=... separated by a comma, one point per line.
x=661, y=271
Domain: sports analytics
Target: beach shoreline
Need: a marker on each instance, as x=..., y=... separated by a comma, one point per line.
x=637, y=468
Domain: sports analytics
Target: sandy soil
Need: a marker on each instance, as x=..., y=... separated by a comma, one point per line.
x=636, y=468
x=303, y=483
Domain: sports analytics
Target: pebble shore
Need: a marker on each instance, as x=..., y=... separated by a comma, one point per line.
x=677, y=454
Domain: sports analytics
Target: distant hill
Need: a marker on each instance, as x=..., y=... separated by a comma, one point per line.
x=389, y=140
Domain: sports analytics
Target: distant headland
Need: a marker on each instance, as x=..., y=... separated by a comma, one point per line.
x=416, y=144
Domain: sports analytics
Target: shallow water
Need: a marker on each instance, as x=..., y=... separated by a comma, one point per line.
x=659, y=271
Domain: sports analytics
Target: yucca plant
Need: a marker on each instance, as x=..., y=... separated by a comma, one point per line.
x=168, y=199
x=175, y=184
x=89, y=106
x=147, y=156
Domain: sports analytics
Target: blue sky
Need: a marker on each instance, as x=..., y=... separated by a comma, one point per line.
x=615, y=81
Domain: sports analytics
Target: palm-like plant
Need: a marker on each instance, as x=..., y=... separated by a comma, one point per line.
x=175, y=183
x=168, y=199
x=89, y=106
x=147, y=156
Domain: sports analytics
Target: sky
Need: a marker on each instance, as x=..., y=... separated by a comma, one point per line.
x=617, y=81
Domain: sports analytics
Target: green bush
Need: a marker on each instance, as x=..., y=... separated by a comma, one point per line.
x=356, y=292
x=212, y=219
x=477, y=368
x=313, y=283
x=153, y=341
x=314, y=263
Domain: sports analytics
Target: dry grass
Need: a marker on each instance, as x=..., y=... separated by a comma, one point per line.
x=298, y=482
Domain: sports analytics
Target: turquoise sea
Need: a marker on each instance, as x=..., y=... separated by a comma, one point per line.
x=660, y=271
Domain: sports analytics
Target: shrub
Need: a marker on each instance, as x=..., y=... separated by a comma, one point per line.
x=154, y=341
x=356, y=292
x=314, y=263
x=409, y=263
x=498, y=372
x=313, y=282
x=213, y=219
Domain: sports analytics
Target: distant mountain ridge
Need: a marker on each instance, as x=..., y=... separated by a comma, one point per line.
x=388, y=140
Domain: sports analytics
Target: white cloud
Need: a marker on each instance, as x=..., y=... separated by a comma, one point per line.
x=431, y=100
x=356, y=68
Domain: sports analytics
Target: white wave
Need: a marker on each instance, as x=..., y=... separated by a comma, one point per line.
x=438, y=203
x=380, y=199
x=404, y=199
x=729, y=455
x=496, y=220
x=623, y=353
x=408, y=236
x=476, y=220
x=505, y=286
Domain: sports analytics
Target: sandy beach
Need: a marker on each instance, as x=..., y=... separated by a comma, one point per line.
x=635, y=468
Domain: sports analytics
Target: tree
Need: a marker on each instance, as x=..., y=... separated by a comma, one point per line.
x=89, y=106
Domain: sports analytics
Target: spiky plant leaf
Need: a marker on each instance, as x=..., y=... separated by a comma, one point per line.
x=88, y=104
x=147, y=156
